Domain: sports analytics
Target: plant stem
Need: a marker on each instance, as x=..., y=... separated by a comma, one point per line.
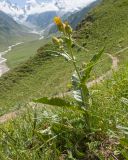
x=77, y=71
x=74, y=63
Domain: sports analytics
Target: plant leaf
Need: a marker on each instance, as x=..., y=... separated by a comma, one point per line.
x=90, y=65
x=76, y=87
x=65, y=55
x=81, y=92
x=54, y=101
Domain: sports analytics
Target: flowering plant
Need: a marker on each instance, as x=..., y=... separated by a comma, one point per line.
x=81, y=74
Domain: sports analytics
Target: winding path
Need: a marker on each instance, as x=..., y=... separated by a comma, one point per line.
x=107, y=74
x=114, y=67
x=8, y=116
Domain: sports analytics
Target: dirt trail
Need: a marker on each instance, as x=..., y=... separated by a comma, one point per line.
x=114, y=67
x=8, y=116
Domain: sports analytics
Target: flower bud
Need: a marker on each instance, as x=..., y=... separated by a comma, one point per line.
x=68, y=28
x=61, y=41
x=55, y=40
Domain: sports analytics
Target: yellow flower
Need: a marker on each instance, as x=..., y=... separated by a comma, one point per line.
x=60, y=24
x=58, y=21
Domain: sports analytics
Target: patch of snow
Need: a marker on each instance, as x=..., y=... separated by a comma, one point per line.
x=34, y=7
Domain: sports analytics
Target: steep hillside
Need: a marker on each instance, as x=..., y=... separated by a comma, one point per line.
x=45, y=20
x=11, y=31
x=35, y=7
x=75, y=18
x=42, y=20
x=106, y=25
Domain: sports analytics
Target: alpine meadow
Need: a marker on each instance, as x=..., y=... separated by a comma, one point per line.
x=64, y=80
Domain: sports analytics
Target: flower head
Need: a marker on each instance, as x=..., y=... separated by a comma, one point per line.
x=60, y=24
x=58, y=21
x=63, y=27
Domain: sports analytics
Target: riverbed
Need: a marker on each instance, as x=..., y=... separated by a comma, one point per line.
x=3, y=66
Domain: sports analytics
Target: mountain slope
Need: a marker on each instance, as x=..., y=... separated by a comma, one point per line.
x=43, y=75
x=11, y=31
x=7, y=23
x=42, y=20
x=74, y=18
x=35, y=7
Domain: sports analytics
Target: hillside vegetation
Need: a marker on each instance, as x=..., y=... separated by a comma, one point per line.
x=102, y=27
x=11, y=32
x=58, y=133
x=22, y=53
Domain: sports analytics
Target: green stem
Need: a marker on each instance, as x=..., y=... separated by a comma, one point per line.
x=74, y=63
x=77, y=71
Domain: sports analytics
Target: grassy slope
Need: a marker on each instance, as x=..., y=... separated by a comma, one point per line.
x=66, y=124
x=15, y=39
x=11, y=32
x=105, y=26
x=23, y=52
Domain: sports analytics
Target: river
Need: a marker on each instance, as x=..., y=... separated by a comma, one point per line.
x=3, y=66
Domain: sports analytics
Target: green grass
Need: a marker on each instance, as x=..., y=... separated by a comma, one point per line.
x=13, y=40
x=26, y=137
x=23, y=52
x=40, y=78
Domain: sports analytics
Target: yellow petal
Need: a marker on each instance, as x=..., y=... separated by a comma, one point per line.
x=57, y=21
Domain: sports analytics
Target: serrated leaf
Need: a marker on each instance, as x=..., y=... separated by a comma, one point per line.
x=53, y=101
x=90, y=65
